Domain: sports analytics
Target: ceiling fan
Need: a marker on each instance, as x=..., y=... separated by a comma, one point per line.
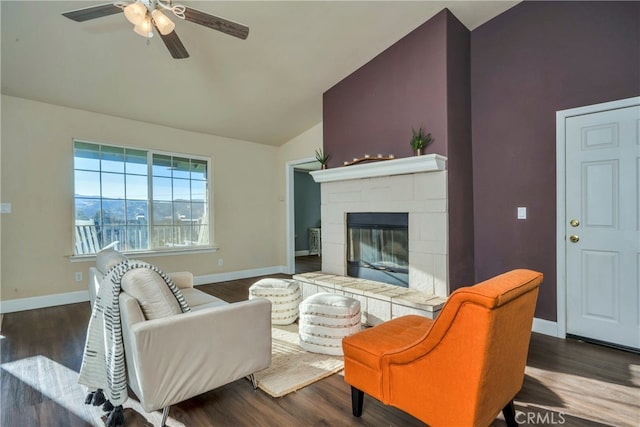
x=146, y=14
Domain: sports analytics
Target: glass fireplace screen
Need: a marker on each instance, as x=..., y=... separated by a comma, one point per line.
x=378, y=247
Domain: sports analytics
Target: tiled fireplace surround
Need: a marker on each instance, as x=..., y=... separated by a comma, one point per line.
x=416, y=185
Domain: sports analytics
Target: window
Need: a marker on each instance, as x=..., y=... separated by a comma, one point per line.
x=144, y=200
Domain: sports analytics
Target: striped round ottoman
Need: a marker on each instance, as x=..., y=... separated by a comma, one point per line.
x=284, y=295
x=325, y=319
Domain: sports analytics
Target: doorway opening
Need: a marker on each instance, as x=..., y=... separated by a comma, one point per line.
x=303, y=217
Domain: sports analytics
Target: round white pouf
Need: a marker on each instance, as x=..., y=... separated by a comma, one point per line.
x=284, y=295
x=325, y=319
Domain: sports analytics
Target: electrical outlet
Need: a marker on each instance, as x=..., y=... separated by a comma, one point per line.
x=78, y=276
x=220, y=262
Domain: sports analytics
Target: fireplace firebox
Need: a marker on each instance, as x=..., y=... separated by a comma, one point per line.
x=378, y=247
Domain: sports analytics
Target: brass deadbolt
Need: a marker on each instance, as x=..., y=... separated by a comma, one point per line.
x=574, y=222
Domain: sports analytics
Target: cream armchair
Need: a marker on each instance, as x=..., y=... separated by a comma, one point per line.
x=174, y=358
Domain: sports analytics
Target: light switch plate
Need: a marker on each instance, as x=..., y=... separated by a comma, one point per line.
x=5, y=208
x=522, y=213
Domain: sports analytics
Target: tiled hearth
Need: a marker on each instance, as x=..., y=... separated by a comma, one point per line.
x=379, y=302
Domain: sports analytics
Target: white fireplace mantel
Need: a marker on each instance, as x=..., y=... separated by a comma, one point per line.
x=405, y=165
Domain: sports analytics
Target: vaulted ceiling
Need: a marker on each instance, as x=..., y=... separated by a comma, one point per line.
x=266, y=89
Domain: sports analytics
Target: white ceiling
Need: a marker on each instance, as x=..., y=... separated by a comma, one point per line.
x=265, y=89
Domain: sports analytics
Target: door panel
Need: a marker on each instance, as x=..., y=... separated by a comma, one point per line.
x=600, y=189
x=602, y=247
x=601, y=285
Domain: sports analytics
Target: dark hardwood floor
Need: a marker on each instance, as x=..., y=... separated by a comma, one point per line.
x=567, y=382
x=308, y=263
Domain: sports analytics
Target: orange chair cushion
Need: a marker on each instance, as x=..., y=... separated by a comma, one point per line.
x=363, y=351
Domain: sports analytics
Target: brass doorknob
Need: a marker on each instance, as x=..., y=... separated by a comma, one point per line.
x=574, y=238
x=574, y=222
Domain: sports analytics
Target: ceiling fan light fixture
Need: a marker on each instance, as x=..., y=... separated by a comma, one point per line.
x=164, y=24
x=144, y=28
x=135, y=13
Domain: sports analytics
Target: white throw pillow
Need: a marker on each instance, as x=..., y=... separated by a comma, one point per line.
x=107, y=258
x=152, y=293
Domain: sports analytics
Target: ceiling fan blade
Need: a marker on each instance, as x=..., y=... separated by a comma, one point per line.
x=216, y=23
x=93, y=12
x=175, y=46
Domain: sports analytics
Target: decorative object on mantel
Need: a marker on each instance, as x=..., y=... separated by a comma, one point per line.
x=323, y=158
x=368, y=158
x=420, y=140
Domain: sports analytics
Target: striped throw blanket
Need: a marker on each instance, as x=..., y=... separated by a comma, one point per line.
x=103, y=368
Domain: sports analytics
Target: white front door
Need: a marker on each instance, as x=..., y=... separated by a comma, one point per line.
x=602, y=226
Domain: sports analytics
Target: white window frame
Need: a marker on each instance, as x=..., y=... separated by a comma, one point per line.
x=209, y=247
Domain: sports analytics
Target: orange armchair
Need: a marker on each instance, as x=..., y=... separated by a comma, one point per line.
x=460, y=369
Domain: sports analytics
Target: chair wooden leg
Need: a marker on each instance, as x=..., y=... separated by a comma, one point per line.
x=509, y=413
x=357, y=398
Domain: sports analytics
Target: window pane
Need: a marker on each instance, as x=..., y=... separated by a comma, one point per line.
x=137, y=187
x=181, y=211
x=88, y=209
x=136, y=162
x=162, y=189
x=112, y=159
x=183, y=230
x=199, y=169
x=162, y=213
x=113, y=185
x=113, y=212
x=181, y=167
x=87, y=184
x=162, y=231
x=198, y=212
x=137, y=230
x=112, y=190
x=161, y=165
x=137, y=211
x=136, y=238
x=199, y=191
x=181, y=190
x=86, y=156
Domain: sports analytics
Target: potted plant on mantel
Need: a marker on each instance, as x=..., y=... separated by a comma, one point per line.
x=420, y=140
x=323, y=158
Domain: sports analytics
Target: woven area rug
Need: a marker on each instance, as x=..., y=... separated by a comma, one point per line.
x=291, y=367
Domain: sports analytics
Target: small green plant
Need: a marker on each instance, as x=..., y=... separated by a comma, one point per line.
x=420, y=139
x=322, y=157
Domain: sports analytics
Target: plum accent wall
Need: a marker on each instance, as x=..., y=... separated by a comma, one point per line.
x=423, y=79
x=499, y=87
x=529, y=62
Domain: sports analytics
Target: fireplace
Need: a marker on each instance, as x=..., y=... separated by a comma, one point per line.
x=378, y=247
x=416, y=185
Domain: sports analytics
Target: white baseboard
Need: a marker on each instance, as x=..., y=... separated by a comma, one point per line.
x=22, y=304
x=31, y=303
x=302, y=253
x=545, y=327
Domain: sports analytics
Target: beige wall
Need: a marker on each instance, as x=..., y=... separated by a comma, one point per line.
x=300, y=147
x=37, y=179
